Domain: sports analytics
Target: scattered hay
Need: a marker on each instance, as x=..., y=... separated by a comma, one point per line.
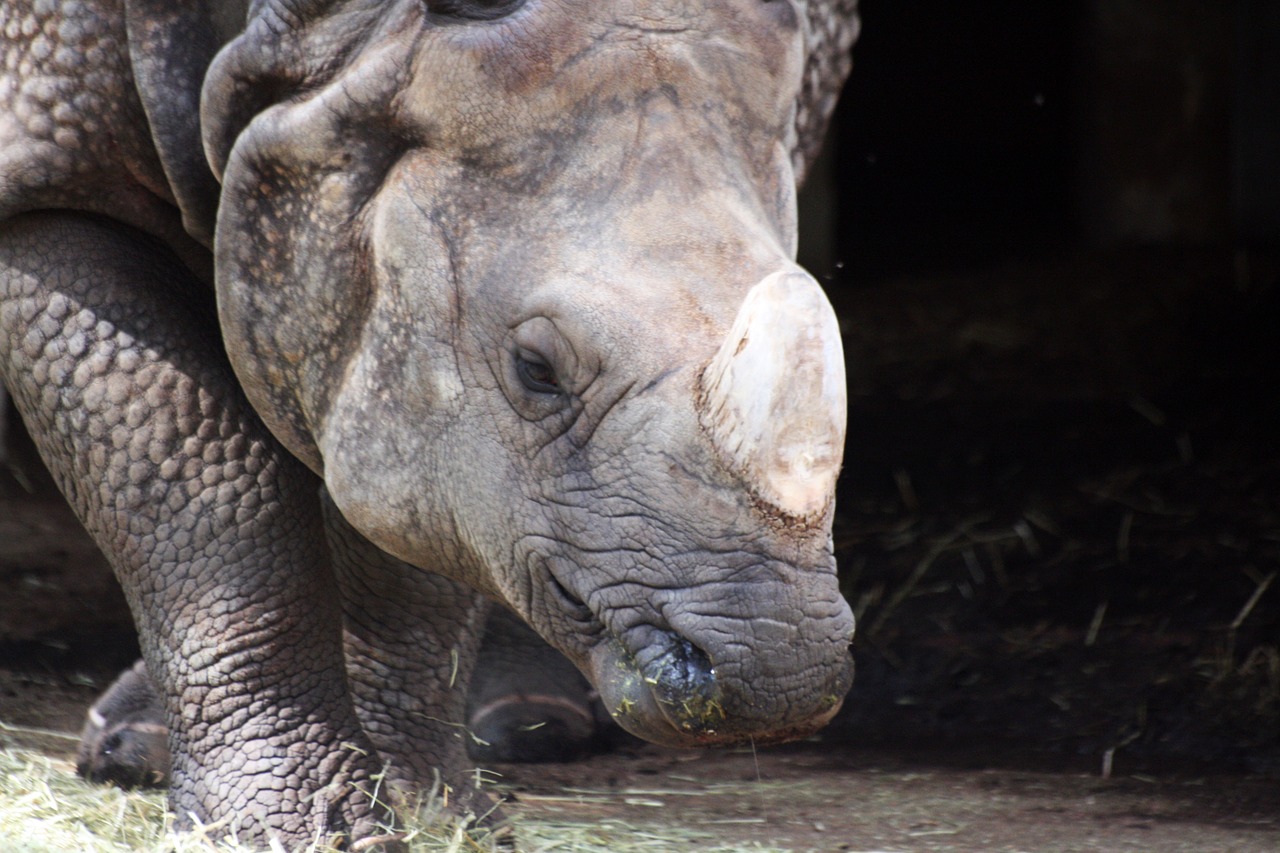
x=612, y=836
x=46, y=808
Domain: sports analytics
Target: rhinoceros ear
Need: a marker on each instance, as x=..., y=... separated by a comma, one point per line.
x=171, y=43
x=301, y=159
x=832, y=30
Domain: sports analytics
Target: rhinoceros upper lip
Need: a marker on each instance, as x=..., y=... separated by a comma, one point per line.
x=636, y=701
x=629, y=698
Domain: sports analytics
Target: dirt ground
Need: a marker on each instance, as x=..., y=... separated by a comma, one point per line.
x=1059, y=526
x=838, y=796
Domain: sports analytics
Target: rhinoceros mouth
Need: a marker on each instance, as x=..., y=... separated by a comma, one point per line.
x=694, y=718
x=666, y=691
x=583, y=622
x=625, y=688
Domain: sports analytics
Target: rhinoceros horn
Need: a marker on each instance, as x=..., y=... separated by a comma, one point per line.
x=773, y=397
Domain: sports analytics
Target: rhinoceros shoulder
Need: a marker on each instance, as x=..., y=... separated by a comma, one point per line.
x=86, y=126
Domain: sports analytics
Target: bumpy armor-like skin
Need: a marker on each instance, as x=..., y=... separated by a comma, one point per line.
x=305, y=674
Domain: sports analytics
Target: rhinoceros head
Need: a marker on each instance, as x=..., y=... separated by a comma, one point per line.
x=516, y=279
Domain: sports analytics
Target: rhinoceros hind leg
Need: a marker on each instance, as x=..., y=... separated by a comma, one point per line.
x=124, y=741
x=528, y=703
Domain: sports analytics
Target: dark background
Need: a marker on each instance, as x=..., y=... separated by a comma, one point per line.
x=973, y=131
x=1049, y=230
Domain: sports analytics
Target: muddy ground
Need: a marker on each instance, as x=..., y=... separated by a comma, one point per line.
x=1059, y=526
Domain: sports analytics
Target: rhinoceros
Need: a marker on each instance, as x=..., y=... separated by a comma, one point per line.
x=337, y=319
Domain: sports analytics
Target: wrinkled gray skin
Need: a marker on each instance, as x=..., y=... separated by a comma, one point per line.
x=416, y=218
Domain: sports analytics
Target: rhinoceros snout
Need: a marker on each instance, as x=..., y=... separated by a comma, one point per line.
x=672, y=693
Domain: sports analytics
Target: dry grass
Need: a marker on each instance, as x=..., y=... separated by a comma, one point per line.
x=46, y=808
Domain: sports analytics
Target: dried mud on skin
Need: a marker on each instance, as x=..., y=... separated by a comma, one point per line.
x=1059, y=526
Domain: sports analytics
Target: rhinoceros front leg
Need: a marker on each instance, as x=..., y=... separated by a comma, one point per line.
x=411, y=638
x=213, y=530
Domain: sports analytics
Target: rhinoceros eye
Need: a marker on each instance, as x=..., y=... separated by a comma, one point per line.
x=474, y=10
x=535, y=374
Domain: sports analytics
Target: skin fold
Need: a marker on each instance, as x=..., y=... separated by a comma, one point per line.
x=337, y=320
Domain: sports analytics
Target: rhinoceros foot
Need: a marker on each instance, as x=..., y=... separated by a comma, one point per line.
x=124, y=740
x=528, y=703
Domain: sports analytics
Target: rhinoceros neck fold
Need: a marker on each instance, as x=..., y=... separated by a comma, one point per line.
x=773, y=397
